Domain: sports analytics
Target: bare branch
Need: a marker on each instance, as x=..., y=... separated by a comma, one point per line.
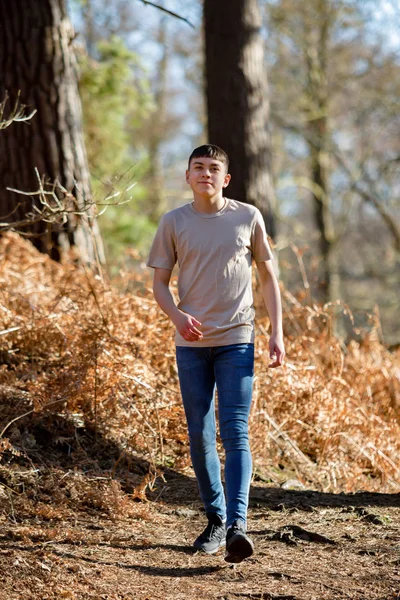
x=169, y=12
x=366, y=196
x=17, y=114
x=29, y=413
x=392, y=224
x=56, y=203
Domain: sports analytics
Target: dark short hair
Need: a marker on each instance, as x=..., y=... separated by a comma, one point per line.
x=210, y=151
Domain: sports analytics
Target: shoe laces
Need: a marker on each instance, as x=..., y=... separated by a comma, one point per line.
x=211, y=528
x=237, y=526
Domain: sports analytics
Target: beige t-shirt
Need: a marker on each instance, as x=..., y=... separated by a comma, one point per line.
x=214, y=253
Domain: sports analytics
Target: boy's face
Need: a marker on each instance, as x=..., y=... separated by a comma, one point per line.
x=207, y=176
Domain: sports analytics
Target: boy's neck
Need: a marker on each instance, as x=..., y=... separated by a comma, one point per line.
x=207, y=204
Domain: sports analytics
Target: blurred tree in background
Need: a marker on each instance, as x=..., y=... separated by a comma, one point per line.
x=116, y=101
x=334, y=108
x=237, y=100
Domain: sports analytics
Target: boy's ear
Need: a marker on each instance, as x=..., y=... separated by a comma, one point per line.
x=227, y=179
x=187, y=175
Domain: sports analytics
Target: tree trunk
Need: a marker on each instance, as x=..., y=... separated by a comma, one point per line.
x=37, y=61
x=317, y=143
x=237, y=100
x=318, y=139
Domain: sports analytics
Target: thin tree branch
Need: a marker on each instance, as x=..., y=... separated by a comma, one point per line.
x=391, y=223
x=29, y=413
x=371, y=198
x=53, y=208
x=169, y=12
x=16, y=114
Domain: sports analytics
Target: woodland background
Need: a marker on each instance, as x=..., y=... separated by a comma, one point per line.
x=332, y=84
x=97, y=125
x=101, y=102
x=303, y=96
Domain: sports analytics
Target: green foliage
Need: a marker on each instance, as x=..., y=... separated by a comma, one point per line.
x=116, y=100
x=125, y=226
x=128, y=229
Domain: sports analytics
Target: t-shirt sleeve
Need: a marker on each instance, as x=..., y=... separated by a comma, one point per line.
x=260, y=247
x=162, y=253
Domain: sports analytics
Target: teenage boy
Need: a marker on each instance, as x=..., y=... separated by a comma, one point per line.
x=214, y=240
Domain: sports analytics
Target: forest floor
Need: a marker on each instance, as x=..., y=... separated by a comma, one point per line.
x=309, y=544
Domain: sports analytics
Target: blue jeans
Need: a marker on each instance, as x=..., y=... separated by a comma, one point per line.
x=230, y=369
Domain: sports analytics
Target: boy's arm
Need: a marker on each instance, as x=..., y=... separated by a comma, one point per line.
x=185, y=324
x=272, y=299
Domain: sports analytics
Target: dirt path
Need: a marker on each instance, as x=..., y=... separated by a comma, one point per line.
x=149, y=556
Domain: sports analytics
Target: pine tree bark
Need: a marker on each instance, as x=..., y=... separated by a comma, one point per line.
x=37, y=61
x=237, y=100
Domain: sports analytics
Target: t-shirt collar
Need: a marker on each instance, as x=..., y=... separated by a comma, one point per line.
x=210, y=215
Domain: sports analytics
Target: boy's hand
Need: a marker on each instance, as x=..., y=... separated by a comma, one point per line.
x=187, y=327
x=276, y=351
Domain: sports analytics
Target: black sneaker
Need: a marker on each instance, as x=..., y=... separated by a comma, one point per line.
x=213, y=537
x=238, y=545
